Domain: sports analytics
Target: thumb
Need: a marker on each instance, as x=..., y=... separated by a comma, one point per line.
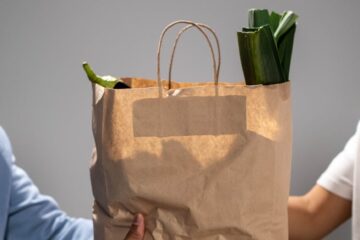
x=137, y=228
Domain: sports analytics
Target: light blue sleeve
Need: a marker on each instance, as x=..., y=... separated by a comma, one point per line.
x=33, y=216
x=5, y=180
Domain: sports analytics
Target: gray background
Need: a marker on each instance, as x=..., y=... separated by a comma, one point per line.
x=45, y=98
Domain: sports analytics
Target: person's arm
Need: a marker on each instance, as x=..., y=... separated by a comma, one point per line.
x=35, y=216
x=316, y=214
x=329, y=203
x=29, y=214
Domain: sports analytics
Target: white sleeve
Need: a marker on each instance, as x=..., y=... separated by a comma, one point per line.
x=339, y=176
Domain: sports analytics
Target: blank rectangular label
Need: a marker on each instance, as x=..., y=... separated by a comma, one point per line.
x=186, y=116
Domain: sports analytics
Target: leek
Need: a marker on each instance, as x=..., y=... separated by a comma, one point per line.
x=266, y=46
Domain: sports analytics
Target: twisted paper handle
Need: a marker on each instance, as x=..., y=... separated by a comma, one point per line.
x=199, y=26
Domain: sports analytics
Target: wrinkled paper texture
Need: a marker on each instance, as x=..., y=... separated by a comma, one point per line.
x=200, y=162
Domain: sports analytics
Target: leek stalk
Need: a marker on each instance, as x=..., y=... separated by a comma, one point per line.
x=266, y=46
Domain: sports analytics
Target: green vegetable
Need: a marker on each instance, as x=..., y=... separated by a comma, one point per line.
x=105, y=81
x=287, y=20
x=257, y=68
x=258, y=17
x=285, y=46
x=266, y=46
x=274, y=21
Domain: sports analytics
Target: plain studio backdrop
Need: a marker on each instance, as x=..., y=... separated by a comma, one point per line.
x=45, y=98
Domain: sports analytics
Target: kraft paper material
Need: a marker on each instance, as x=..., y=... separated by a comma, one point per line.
x=201, y=162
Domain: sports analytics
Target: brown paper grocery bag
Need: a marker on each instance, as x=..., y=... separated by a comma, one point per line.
x=199, y=160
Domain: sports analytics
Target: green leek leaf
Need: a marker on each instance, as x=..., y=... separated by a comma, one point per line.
x=258, y=17
x=259, y=56
x=274, y=21
x=285, y=46
x=287, y=20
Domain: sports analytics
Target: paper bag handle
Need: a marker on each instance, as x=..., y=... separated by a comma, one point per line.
x=160, y=45
x=217, y=71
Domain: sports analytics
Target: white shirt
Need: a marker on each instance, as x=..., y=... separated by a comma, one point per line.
x=342, y=178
